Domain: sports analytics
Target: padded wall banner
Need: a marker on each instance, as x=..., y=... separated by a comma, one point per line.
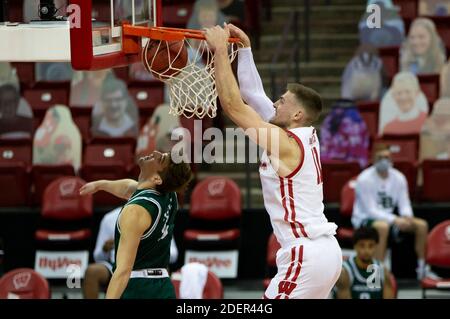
x=224, y=264
x=61, y=264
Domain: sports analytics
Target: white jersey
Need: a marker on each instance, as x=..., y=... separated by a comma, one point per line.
x=295, y=202
x=376, y=198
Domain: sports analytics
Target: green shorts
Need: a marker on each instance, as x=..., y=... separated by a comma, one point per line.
x=367, y=222
x=149, y=288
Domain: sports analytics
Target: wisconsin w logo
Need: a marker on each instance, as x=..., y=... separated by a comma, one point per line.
x=285, y=288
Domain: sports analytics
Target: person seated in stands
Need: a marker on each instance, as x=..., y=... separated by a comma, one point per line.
x=53, y=71
x=434, y=7
x=423, y=52
x=363, y=276
x=116, y=114
x=205, y=14
x=234, y=10
x=57, y=141
x=16, y=116
x=435, y=134
x=445, y=80
x=404, y=107
x=344, y=135
x=98, y=274
x=379, y=190
x=86, y=86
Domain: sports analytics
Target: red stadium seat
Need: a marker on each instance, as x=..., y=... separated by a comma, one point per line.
x=26, y=73
x=402, y=147
x=409, y=9
x=213, y=287
x=369, y=112
x=345, y=233
x=42, y=98
x=147, y=95
x=430, y=85
x=24, y=283
x=17, y=185
x=43, y=175
x=108, y=158
x=390, y=57
x=443, y=28
x=438, y=255
x=436, y=174
x=271, y=259
x=177, y=15
x=16, y=150
x=62, y=202
x=81, y=115
x=101, y=10
x=214, y=220
x=122, y=73
x=409, y=169
x=335, y=175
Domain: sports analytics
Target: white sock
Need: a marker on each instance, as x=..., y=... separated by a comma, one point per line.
x=421, y=263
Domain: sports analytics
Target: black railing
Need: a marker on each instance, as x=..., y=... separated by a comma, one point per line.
x=291, y=25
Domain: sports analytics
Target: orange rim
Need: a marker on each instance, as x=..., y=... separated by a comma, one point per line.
x=167, y=34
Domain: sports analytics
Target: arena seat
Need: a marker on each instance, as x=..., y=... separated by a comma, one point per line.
x=436, y=174
x=26, y=73
x=43, y=175
x=443, y=27
x=402, y=147
x=390, y=57
x=15, y=166
x=409, y=10
x=438, y=255
x=214, y=220
x=335, y=175
x=369, y=111
x=271, y=259
x=42, y=98
x=62, y=203
x=409, y=169
x=108, y=158
x=177, y=15
x=24, y=283
x=213, y=287
x=81, y=115
x=147, y=95
x=430, y=85
x=345, y=230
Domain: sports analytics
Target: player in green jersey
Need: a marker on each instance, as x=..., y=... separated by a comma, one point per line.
x=144, y=228
x=362, y=276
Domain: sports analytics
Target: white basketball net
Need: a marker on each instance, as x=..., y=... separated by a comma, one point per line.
x=192, y=89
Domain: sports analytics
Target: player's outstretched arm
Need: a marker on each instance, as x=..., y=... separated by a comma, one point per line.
x=250, y=83
x=272, y=138
x=122, y=188
x=343, y=286
x=133, y=222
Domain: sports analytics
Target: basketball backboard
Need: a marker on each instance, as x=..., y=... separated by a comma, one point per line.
x=90, y=35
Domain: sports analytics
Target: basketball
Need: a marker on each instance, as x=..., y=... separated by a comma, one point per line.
x=166, y=58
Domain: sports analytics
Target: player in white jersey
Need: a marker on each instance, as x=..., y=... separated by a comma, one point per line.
x=310, y=259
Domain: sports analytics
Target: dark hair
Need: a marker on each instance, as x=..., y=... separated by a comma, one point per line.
x=175, y=177
x=365, y=233
x=309, y=99
x=379, y=147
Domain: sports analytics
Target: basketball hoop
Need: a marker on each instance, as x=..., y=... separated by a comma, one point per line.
x=192, y=88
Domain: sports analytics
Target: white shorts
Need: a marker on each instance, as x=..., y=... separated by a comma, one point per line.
x=307, y=270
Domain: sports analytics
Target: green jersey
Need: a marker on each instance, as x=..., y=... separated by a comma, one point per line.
x=154, y=248
x=365, y=283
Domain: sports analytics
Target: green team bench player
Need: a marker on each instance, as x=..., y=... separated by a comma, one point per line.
x=144, y=228
x=362, y=276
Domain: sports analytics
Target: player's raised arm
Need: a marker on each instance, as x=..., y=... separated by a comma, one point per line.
x=122, y=188
x=250, y=83
x=133, y=222
x=275, y=140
